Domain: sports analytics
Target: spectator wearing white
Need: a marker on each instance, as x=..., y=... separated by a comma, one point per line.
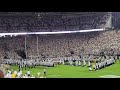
x=96, y=66
x=44, y=72
x=79, y=63
x=15, y=72
x=84, y=63
x=76, y=62
x=18, y=75
x=89, y=63
x=28, y=73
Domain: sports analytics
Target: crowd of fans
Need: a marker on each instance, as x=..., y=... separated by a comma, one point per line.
x=116, y=20
x=34, y=23
x=62, y=45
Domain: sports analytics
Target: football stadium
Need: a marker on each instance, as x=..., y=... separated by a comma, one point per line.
x=59, y=45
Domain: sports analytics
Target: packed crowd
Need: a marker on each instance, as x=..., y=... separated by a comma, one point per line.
x=33, y=23
x=116, y=20
x=64, y=45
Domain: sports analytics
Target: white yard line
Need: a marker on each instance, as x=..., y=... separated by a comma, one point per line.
x=110, y=76
x=54, y=75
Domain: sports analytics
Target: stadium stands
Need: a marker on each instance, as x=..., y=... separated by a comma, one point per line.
x=78, y=49
x=62, y=45
x=23, y=22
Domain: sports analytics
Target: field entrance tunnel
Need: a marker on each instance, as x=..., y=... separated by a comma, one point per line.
x=21, y=53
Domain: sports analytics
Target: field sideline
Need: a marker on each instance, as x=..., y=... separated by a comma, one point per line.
x=66, y=71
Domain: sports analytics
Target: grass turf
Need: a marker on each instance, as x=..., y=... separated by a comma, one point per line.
x=66, y=71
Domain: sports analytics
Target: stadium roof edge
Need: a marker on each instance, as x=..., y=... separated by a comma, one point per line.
x=59, y=32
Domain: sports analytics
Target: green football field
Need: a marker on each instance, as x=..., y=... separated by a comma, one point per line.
x=66, y=71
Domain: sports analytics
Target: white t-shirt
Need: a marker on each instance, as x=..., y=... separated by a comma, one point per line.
x=84, y=62
x=99, y=64
x=88, y=63
x=28, y=72
x=96, y=65
x=15, y=72
x=76, y=62
x=71, y=62
x=9, y=75
x=19, y=74
x=79, y=63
